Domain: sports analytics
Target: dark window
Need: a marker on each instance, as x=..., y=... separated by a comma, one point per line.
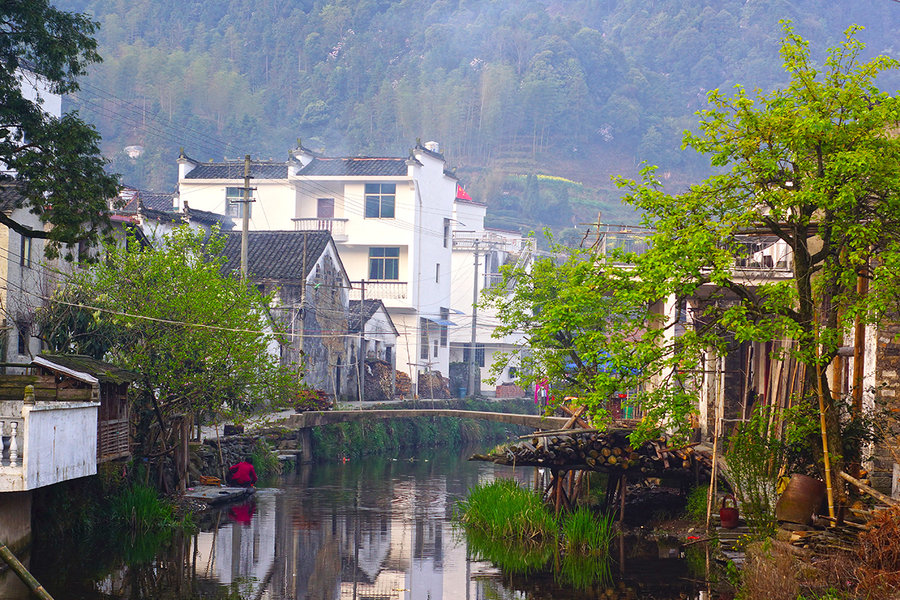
x=435, y=345
x=325, y=208
x=445, y=316
x=234, y=200
x=437, y=273
x=423, y=338
x=446, y=233
x=23, y=329
x=479, y=354
x=380, y=198
x=25, y=252
x=384, y=263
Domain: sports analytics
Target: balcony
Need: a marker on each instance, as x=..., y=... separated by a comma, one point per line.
x=382, y=290
x=46, y=443
x=336, y=227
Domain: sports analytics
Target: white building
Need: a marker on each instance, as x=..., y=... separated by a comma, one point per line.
x=390, y=217
x=493, y=248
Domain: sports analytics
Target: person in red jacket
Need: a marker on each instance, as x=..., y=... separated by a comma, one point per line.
x=242, y=474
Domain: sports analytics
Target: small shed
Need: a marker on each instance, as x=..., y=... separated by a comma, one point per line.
x=85, y=378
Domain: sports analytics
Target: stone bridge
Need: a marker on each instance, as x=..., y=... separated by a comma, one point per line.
x=305, y=421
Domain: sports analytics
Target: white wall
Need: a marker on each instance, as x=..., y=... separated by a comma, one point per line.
x=58, y=443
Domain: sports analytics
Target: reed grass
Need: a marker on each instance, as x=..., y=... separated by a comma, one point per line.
x=505, y=511
x=140, y=509
x=587, y=534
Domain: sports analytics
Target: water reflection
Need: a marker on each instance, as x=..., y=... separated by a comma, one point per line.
x=375, y=529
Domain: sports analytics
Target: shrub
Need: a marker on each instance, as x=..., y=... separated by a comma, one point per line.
x=754, y=457
x=309, y=399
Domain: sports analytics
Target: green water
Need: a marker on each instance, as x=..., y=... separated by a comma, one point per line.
x=370, y=529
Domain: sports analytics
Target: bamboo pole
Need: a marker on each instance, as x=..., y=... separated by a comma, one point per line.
x=715, y=461
x=822, y=425
x=871, y=491
x=27, y=578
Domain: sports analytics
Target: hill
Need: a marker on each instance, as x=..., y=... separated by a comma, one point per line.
x=578, y=89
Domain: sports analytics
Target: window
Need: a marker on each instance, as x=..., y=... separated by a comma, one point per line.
x=446, y=233
x=423, y=338
x=25, y=252
x=445, y=316
x=380, y=199
x=479, y=354
x=234, y=200
x=384, y=263
x=437, y=273
x=23, y=329
x=325, y=208
x=434, y=344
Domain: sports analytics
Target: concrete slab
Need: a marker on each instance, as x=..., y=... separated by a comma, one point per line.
x=212, y=494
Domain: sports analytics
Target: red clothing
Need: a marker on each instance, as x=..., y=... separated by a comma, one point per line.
x=242, y=474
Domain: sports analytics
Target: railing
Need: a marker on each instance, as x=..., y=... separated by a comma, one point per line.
x=465, y=240
x=11, y=432
x=336, y=227
x=382, y=290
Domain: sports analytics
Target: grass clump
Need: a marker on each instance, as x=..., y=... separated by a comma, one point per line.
x=264, y=460
x=141, y=510
x=503, y=510
x=587, y=534
x=695, y=507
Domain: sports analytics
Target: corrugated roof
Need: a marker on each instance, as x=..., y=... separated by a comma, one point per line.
x=235, y=170
x=355, y=167
x=276, y=254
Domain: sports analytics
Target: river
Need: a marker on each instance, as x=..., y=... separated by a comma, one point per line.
x=374, y=529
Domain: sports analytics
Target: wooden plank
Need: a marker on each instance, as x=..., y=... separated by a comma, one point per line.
x=74, y=394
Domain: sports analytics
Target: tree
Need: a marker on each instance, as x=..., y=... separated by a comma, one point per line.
x=197, y=337
x=816, y=165
x=56, y=162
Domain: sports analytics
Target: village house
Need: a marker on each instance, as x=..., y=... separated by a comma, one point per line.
x=369, y=319
x=311, y=305
x=391, y=218
x=492, y=248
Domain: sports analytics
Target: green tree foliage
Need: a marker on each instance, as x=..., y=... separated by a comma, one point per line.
x=56, y=162
x=196, y=337
x=814, y=164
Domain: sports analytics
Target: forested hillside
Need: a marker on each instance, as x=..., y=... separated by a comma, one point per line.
x=578, y=89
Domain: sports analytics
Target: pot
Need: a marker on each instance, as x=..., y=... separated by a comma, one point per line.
x=728, y=515
x=802, y=496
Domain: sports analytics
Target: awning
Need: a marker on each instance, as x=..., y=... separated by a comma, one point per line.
x=441, y=322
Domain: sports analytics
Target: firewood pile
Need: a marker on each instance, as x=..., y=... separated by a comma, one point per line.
x=589, y=449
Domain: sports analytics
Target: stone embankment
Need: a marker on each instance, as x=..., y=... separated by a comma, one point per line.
x=235, y=448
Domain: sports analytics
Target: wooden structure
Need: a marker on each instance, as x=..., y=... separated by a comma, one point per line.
x=75, y=377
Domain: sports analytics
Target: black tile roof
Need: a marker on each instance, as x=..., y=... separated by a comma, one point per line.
x=369, y=309
x=210, y=218
x=235, y=170
x=356, y=167
x=103, y=371
x=276, y=254
x=156, y=201
x=10, y=196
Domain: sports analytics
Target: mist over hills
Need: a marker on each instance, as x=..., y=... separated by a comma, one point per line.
x=575, y=89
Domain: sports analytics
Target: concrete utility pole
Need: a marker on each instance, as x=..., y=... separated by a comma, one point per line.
x=471, y=369
x=245, y=207
x=361, y=362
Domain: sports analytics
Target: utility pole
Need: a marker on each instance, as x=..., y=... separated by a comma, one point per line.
x=245, y=206
x=474, y=325
x=361, y=362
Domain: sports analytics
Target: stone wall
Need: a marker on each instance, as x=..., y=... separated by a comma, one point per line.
x=235, y=448
x=887, y=364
